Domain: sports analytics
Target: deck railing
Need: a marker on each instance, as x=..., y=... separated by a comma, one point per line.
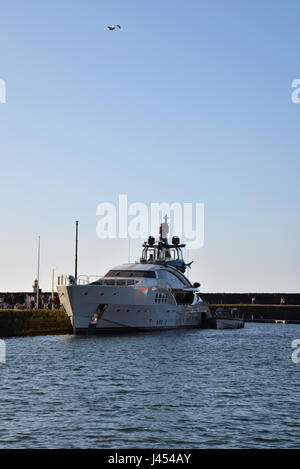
x=66, y=280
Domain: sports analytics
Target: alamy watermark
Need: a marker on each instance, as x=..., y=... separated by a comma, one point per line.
x=2, y=351
x=138, y=220
x=296, y=353
x=295, y=96
x=2, y=92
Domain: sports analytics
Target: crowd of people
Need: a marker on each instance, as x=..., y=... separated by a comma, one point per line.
x=28, y=301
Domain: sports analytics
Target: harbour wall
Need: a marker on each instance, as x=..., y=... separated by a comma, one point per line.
x=246, y=298
x=264, y=313
x=14, y=323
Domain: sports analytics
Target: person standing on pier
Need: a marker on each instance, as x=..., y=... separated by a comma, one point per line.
x=27, y=301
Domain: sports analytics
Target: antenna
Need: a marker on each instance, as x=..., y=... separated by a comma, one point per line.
x=188, y=260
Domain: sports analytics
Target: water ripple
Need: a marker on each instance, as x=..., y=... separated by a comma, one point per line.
x=179, y=389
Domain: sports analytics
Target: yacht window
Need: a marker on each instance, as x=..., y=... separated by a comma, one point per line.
x=172, y=280
x=131, y=273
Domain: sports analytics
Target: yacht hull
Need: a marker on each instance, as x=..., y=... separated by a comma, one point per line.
x=99, y=309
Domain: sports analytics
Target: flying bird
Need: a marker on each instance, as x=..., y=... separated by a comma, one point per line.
x=111, y=28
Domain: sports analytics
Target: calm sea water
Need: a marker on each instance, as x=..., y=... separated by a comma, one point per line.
x=176, y=389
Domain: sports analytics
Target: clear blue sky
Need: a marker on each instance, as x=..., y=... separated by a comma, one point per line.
x=189, y=102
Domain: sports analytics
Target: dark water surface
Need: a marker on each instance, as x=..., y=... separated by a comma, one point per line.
x=176, y=389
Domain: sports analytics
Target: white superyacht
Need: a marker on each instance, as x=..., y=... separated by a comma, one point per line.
x=152, y=294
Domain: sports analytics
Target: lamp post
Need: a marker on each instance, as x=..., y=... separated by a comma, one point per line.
x=38, y=274
x=76, y=251
x=52, y=295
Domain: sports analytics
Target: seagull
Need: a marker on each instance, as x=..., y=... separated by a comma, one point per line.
x=111, y=28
